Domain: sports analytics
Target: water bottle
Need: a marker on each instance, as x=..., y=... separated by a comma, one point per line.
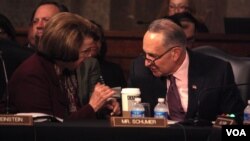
x=247, y=113
x=137, y=110
x=161, y=109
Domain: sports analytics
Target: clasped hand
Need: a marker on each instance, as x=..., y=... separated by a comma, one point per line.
x=101, y=97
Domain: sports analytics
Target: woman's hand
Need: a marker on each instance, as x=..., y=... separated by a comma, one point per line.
x=113, y=105
x=100, y=95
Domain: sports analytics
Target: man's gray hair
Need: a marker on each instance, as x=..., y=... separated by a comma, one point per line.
x=173, y=34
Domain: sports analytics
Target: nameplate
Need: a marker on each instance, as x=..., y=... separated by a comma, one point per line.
x=138, y=122
x=16, y=120
x=246, y=122
x=220, y=121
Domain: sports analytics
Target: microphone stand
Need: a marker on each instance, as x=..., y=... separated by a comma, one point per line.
x=6, y=82
x=197, y=121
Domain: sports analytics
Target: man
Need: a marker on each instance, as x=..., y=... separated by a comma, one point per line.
x=188, y=6
x=179, y=6
x=205, y=85
x=41, y=15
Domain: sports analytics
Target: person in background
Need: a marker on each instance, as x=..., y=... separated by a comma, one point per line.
x=31, y=39
x=111, y=73
x=180, y=6
x=11, y=54
x=47, y=81
x=40, y=16
x=108, y=73
x=196, y=87
x=190, y=25
x=7, y=31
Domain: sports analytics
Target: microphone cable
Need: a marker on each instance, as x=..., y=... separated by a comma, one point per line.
x=6, y=82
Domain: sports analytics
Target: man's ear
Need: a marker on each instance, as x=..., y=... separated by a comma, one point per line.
x=175, y=53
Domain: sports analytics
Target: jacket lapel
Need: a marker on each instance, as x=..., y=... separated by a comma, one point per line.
x=195, y=85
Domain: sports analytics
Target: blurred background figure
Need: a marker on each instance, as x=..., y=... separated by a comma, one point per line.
x=7, y=31
x=12, y=55
x=189, y=24
x=184, y=6
x=8, y=53
x=111, y=73
x=179, y=6
x=40, y=16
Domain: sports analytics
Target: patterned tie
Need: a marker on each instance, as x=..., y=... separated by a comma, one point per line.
x=174, y=102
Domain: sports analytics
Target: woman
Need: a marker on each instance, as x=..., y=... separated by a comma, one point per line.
x=7, y=31
x=47, y=81
x=111, y=73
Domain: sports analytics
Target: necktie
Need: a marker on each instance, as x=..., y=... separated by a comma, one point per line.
x=174, y=102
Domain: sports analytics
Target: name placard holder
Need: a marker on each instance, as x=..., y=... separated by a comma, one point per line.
x=16, y=120
x=220, y=121
x=138, y=122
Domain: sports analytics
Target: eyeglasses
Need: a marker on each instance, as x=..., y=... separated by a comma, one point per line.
x=37, y=20
x=86, y=52
x=180, y=8
x=152, y=62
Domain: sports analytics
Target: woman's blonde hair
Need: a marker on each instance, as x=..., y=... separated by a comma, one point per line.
x=63, y=36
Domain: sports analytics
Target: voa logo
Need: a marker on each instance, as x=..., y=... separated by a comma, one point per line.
x=236, y=132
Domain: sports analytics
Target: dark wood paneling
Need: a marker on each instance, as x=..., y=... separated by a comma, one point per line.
x=237, y=45
x=123, y=46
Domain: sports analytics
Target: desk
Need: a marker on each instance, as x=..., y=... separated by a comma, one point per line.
x=101, y=130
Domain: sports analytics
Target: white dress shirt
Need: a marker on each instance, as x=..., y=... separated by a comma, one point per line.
x=181, y=80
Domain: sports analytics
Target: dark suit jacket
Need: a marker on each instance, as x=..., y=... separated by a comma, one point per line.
x=13, y=55
x=88, y=75
x=112, y=74
x=210, y=83
x=34, y=87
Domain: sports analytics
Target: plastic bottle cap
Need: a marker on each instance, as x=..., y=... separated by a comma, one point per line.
x=138, y=99
x=133, y=91
x=161, y=100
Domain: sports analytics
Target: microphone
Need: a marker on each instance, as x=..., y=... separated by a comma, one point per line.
x=105, y=113
x=6, y=82
x=197, y=121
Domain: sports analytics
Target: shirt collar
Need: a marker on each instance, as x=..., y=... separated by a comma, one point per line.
x=183, y=69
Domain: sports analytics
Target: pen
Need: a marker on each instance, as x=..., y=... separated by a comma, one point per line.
x=101, y=80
